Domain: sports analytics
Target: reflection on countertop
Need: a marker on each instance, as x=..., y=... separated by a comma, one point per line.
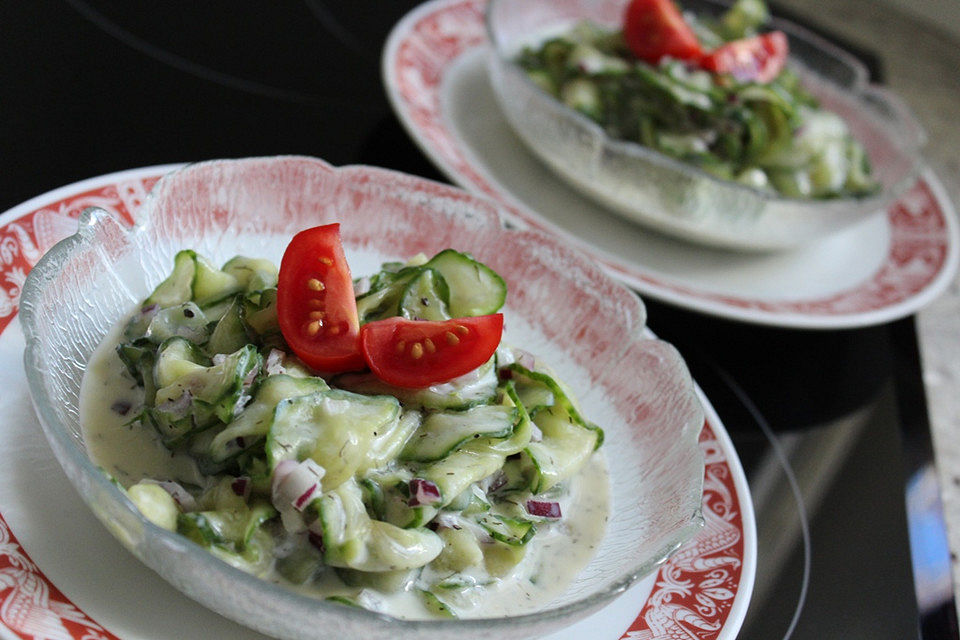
x=920, y=62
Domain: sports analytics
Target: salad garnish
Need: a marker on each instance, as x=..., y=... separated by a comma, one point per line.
x=714, y=93
x=360, y=445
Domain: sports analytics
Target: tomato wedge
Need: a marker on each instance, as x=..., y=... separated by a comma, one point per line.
x=656, y=28
x=316, y=308
x=419, y=353
x=757, y=59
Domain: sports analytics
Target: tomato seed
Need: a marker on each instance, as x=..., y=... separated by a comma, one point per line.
x=315, y=285
x=428, y=345
x=416, y=351
x=451, y=339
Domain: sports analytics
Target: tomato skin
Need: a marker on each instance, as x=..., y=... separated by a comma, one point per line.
x=656, y=28
x=418, y=353
x=316, y=308
x=757, y=59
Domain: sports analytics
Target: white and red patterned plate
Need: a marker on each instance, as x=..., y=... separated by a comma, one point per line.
x=434, y=69
x=49, y=591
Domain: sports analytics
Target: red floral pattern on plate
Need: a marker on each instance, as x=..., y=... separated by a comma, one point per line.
x=694, y=589
x=441, y=32
x=696, y=586
x=31, y=606
x=24, y=240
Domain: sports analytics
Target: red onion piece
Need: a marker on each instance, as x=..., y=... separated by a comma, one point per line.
x=304, y=497
x=241, y=486
x=251, y=377
x=294, y=483
x=544, y=509
x=274, y=363
x=495, y=481
x=178, y=407
x=423, y=492
x=525, y=359
x=121, y=407
x=283, y=469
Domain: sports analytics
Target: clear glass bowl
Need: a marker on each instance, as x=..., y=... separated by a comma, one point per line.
x=676, y=198
x=560, y=306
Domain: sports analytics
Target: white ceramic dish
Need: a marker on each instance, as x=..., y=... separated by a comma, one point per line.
x=881, y=269
x=402, y=193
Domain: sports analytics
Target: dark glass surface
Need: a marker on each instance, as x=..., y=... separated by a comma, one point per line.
x=92, y=87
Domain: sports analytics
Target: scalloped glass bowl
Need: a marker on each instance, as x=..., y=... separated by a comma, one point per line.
x=560, y=306
x=656, y=190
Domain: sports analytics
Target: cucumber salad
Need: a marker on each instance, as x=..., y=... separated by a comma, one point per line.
x=714, y=93
x=368, y=441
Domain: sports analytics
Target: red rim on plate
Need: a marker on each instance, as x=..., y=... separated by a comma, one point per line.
x=920, y=261
x=704, y=587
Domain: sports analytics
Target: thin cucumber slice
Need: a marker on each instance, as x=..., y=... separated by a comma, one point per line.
x=255, y=420
x=500, y=558
x=211, y=285
x=155, y=504
x=507, y=530
x=178, y=287
x=177, y=357
x=252, y=274
x=454, y=473
x=461, y=551
x=195, y=400
x=387, y=495
x=382, y=581
x=185, y=320
x=471, y=501
x=383, y=299
x=523, y=377
x=132, y=354
x=477, y=387
x=226, y=526
x=565, y=447
x=301, y=565
x=193, y=279
x=441, y=433
x=261, y=316
x=475, y=289
x=425, y=297
x=351, y=539
x=436, y=606
x=522, y=427
x=335, y=428
x=388, y=443
x=230, y=332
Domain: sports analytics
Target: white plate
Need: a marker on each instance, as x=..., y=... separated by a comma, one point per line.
x=882, y=269
x=63, y=576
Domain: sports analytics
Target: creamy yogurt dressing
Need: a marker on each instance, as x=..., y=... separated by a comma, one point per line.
x=110, y=400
